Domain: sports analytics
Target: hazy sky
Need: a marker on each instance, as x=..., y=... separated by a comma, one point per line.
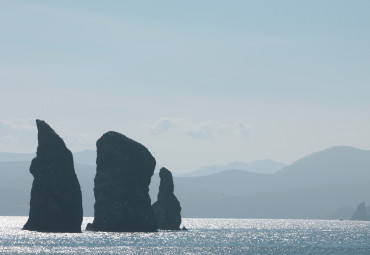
x=197, y=82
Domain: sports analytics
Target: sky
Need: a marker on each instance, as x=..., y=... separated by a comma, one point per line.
x=197, y=82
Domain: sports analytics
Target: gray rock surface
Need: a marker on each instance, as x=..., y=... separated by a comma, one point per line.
x=167, y=209
x=361, y=213
x=123, y=174
x=56, y=200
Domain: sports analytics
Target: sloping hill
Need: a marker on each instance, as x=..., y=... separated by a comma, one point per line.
x=312, y=187
x=334, y=165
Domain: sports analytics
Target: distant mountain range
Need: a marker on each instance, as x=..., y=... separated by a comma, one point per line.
x=86, y=157
x=325, y=184
x=267, y=166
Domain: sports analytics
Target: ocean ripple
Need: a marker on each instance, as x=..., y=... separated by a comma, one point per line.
x=205, y=236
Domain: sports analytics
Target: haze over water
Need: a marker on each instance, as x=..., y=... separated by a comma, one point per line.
x=205, y=236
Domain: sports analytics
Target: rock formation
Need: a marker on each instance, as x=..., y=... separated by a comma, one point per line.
x=56, y=200
x=167, y=208
x=123, y=173
x=361, y=213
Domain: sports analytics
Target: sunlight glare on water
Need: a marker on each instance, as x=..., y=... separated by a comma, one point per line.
x=205, y=236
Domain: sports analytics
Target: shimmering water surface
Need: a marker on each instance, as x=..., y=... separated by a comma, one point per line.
x=205, y=236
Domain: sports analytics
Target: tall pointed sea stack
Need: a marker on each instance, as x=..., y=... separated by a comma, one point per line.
x=167, y=208
x=56, y=200
x=123, y=173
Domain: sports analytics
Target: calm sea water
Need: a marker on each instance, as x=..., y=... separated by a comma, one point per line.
x=205, y=236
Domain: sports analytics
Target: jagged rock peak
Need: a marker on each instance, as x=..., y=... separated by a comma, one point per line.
x=49, y=142
x=56, y=199
x=44, y=131
x=361, y=213
x=167, y=209
x=123, y=174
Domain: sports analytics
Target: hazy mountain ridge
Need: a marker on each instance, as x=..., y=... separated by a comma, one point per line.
x=312, y=187
x=316, y=186
x=266, y=166
x=11, y=157
x=86, y=157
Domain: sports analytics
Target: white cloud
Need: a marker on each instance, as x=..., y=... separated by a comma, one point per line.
x=206, y=129
x=18, y=124
x=17, y=133
x=161, y=126
x=243, y=129
x=199, y=132
x=199, y=129
x=20, y=135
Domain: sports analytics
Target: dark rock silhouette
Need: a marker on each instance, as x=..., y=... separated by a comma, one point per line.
x=167, y=208
x=123, y=173
x=56, y=200
x=361, y=213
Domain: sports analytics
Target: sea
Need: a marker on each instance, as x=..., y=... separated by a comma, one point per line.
x=204, y=236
